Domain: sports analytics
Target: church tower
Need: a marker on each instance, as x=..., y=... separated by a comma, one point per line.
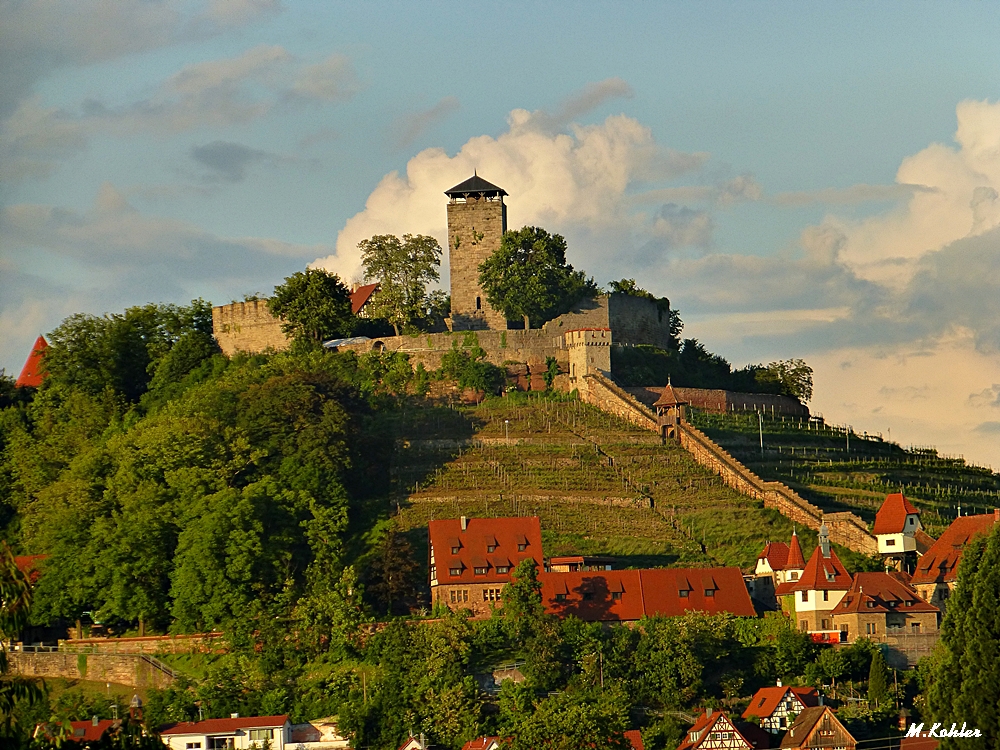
x=477, y=219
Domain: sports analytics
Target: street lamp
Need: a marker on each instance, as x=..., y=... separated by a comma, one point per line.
x=506, y=433
x=760, y=420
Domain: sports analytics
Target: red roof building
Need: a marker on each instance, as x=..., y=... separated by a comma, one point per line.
x=33, y=372
x=484, y=743
x=896, y=525
x=360, y=296
x=818, y=728
x=216, y=732
x=634, y=736
x=819, y=590
x=472, y=558
x=937, y=570
x=881, y=604
x=28, y=564
x=91, y=731
x=777, y=706
x=714, y=730
x=630, y=595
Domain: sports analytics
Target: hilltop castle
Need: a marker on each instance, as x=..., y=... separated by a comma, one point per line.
x=580, y=341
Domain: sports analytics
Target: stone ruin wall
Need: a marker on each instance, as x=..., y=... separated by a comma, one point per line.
x=719, y=401
x=247, y=327
x=122, y=669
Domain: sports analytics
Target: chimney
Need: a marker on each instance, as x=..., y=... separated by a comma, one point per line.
x=779, y=683
x=708, y=713
x=996, y=515
x=465, y=523
x=234, y=716
x=820, y=699
x=93, y=721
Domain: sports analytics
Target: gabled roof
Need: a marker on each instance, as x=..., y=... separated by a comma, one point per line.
x=88, y=731
x=361, y=295
x=891, y=517
x=224, y=726
x=940, y=563
x=475, y=185
x=634, y=736
x=696, y=736
x=881, y=592
x=505, y=533
x=805, y=722
x=483, y=743
x=629, y=595
x=924, y=541
x=767, y=699
x=33, y=372
x=796, y=560
x=776, y=554
x=823, y=573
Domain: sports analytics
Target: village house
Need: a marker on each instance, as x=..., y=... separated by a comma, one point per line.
x=484, y=743
x=779, y=567
x=361, y=295
x=715, y=731
x=882, y=604
x=630, y=595
x=81, y=731
x=234, y=733
x=776, y=707
x=937, y=570
x=318, y=734
x=900, y=536
x=471, y=559
x=822, y=585
x=818, y=728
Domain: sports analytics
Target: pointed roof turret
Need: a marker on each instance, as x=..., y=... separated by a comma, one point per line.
x=891, y=517
x=669, y=397
x=475, y=186
x=33, y=372
x=823, y=572
x=796, y=560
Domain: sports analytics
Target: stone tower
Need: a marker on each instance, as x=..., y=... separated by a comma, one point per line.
x=477, y=219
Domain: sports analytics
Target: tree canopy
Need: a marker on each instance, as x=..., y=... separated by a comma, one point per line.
x=403, y=269
x=528, y=277
x=314, y=305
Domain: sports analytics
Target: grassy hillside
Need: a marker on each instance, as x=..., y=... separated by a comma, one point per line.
x=840, y=471
x=599, y=485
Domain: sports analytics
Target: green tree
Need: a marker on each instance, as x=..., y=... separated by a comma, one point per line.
x=965, y=678
x=528, y=277
x=878, y=680
x=793, y=376
x=15, y=600
x=403, y=269
x=393, y=574
x=522, y=601
x=314, y=305
x=573, y=720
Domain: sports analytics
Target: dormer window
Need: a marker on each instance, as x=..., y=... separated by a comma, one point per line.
x=795, y=576
x=479, y=571
x=710, y=593
x=560, y=597
x=830, y=576
x=890, y=542
x=455, y=550
x=455, y=571
x=683, y=593
x=521, y=547
x=502, y=570
x=491, y=548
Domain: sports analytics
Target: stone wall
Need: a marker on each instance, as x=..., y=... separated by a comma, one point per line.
x=607, y=396
x=124, y=669
x=475, y=229
x=247, y=327
x=716, y=400
x=152, y=644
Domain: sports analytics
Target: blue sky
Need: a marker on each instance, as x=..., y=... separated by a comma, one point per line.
x=801, y=179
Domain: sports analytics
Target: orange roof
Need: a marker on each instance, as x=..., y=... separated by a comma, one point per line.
x=891, y=517
x=696, y=736
x=776, y=554
x=796, y=560
x=88, y=731
x=823, y=573
x=882, y=592
x=33, y=372
x=481, y=743
x=668, y=398
x=28, y=564
x=464, y=551
x=767, y=699
x=223, y=726
x=940, y=563
x=361, y=295
x=629, y=595
x=634, y=736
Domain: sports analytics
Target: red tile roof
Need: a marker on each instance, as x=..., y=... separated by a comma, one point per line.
x=33, y=372
x=776, y=554
x=361, y=295
x=87, y=731
x=506, y=534
x=634, y=736
x=823, y=573
x=481, y=743
x=28, y=564
x=222, y=726
x=940, y=563
x=668, y=398
x=891, y=517
x=767, y=699
x=882, y=592
x=796, y=560
x=629, y=595
x=695, y=736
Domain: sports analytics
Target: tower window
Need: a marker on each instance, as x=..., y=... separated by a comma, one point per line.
x=479, y=303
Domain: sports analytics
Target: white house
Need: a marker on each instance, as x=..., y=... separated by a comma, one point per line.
x=896, y=525
x=823, y=583
x=234, y=733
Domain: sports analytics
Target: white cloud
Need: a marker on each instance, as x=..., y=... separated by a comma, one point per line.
x=330, y=80
x=411, y=126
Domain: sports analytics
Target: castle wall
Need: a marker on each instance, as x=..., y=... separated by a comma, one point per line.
x=475, y=230
x=247, y=327
x=722, y=401
x=122, y=669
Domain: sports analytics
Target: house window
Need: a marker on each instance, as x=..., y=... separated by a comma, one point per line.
x=522, y=547
x=503, y=569
x=843, y=633
x=560, y=597
x=824, y=625
x=871, y=604
x=455, y=571
x=193, y=746
x=805, y=596
x=870, y=628
x=710, y=593
x=479, y=303
x=220, y=743
x=491, y=548
x=915, y=627
x=455, y=550
x=909, y=602
x=683, y=593
x=803, y=625
x=795, y=576
x=479, y=571
x=491, y=595
x=616, y=595
x=256, y=735
x=890, y=542
x=826, y=595
x=831, y=576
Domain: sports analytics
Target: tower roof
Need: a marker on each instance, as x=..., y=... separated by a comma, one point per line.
x=796, y=560
x=475, y=185
x=891, y=517
x=34, y=372
x=668, y=397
